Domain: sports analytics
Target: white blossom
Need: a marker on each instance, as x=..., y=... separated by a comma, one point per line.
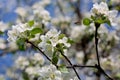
x=80, y=57
x=2, y=43
x=37, y=58
x=64, y=41
x=49, y=73
x=40, y=13
x=21, y=11
x=42, y=3
x=76, y=31
x=3, y=26
x=102, y=9
x=18, y=32
x=75, y=78
x=51, y=39
x=32, y=70
x=21, y=62
x=12, y=46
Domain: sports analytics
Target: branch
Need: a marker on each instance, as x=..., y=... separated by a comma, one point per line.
x=102, y=71
x=96, y=42
x=39, y=50
x=98, y=66
x=60, y=7
x=70, y=64
x=76, y=10
x=81, y=66
x=51, y=60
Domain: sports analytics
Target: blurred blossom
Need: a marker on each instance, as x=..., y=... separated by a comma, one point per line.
x=12, y=46
x=37, y=59
x=40, y=14
x=2, y=77
x=80, y=57
x=21, y=11
x=75, y=78
x=2, y=43
x=21, y=62
x=3, y=26
x=76, y=31
x=42, y=3
x=115, y=1
x=49, y=73
x=32, y=70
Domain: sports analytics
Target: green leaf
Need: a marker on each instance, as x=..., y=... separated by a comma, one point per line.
x=108, y=22
x=49, y=42
x=61, y=36
x=55, y=58
x=63, y=69
x=25, y=76
x=31, y=23
x=70, y=41
x=93, y=18
x=21, y=43
x=86, y=21
x=99, y=20
x=117, y=75
x=35, y=31
x=1, y=32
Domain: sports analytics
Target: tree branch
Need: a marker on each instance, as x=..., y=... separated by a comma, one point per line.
x=39, y=50
x=70, y=64
x=81, y=66
x=98, y=66
x=97, y=25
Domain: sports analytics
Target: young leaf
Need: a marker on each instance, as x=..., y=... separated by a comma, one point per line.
x=63, y=69
x=70, y=41
x=108, y=22
x=99, y=20
x=35, y=31
x=61, y=36
x=21, y=43
x=25, y=76
x=1, y=32
x=54, y=58
x=31, y=23
x=86, y=21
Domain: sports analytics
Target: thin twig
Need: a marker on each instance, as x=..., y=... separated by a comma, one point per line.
x=102, y=71
x=70, y=64
x=77, y=11
x=60, y=7
x=96, y=42
x=81, y=66
x=39, y=50
x=98, y=66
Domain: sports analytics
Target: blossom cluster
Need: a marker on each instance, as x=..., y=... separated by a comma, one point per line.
x=18, y=32
x=98, y=10
x=23, y=62
x=51, y=39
